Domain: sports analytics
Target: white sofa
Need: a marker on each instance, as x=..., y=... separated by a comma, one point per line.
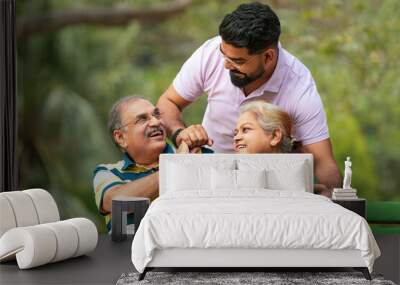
x=31, y=231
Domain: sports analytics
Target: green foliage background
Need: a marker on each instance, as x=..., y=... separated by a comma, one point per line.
x=68, y=80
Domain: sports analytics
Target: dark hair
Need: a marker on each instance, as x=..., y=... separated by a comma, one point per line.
x=253, y=26
x=297, y=147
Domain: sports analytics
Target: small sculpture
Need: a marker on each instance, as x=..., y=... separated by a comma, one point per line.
x=347, y=192
x=347, y=174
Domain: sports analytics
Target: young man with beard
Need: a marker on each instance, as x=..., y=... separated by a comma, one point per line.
x=246, y=62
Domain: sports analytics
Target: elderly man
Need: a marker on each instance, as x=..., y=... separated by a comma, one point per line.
x=246, y=62
x=137, y=129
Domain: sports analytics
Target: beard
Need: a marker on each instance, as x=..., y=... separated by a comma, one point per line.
x=241, y=81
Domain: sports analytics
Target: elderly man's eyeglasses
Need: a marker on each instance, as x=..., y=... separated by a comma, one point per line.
x=143, y=118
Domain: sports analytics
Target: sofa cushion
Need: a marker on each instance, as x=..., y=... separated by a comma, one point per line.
x=26, y=208
x=40, y=244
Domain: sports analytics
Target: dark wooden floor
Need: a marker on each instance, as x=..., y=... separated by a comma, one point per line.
x=106, y=264
x=102, y=266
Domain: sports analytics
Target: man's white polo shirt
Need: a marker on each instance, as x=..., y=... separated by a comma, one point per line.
x=291, y=87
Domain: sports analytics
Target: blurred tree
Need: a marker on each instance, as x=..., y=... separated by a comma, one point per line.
x=352, y=50
x=62, y=91
x=119, y=15
x=69, y=78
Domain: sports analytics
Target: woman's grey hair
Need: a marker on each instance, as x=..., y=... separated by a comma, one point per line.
x=271, y=117
x=114, y=117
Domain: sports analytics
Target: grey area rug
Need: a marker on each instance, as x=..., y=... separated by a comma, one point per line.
x=230, y=278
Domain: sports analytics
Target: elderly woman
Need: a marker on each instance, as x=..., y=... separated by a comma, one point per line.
x=265, y=128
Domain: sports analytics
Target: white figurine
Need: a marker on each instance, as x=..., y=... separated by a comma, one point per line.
x=347, y=174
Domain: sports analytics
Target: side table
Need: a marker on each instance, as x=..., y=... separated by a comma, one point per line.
x=120, y=208
x=358, y=205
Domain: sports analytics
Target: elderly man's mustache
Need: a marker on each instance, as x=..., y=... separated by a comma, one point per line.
x=154, y=131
